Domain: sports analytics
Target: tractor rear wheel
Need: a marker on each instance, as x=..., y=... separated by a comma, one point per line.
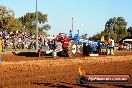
x=72, y=49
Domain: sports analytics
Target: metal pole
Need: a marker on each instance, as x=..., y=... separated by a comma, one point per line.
x=36, y=25
x=72, y=23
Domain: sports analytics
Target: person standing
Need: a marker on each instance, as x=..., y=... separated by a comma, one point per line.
x=0, y=45
x=3, y=45
x=130, y=47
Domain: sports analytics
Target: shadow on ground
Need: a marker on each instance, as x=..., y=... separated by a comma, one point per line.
x=62, y=85
x=122, y=86
x=27, y=54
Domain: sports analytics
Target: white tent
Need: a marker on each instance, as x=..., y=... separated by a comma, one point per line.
x=127, y=40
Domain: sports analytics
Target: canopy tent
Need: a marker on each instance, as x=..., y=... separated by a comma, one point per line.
x=127, y=40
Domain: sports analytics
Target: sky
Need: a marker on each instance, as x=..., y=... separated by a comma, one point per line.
x=89, y=16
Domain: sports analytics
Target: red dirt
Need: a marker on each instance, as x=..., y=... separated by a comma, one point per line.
x=42, y=72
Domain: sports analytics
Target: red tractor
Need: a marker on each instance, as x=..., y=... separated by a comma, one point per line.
x=69, y=47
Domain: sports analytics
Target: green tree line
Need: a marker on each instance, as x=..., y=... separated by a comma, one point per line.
x=115, y=28
x=26, y=23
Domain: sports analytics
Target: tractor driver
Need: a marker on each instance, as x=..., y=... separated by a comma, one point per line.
x=70, y=34
x=65, y=43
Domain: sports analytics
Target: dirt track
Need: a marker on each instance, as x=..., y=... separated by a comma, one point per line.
x=34, y=72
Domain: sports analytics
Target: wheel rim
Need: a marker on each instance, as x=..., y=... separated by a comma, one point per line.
x=72, y=49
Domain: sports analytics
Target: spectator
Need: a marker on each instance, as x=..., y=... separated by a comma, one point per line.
x=20, y=40
x=0, y=45
x=130, y=47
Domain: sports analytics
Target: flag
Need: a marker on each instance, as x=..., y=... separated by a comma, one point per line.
x=102, y=39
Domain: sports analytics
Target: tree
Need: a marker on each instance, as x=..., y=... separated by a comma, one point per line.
x=29, y=22
x=25, y=23
x=7, y=20
x=116, y=28
x=130, y=30
x=84, y=36
x=96, y=37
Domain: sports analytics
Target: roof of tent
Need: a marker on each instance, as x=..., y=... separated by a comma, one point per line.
x=127, y=38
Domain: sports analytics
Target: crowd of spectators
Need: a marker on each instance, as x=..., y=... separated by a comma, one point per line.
x=23, y=40
x=20, y=40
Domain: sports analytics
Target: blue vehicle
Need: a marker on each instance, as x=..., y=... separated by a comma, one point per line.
x=89, y=47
